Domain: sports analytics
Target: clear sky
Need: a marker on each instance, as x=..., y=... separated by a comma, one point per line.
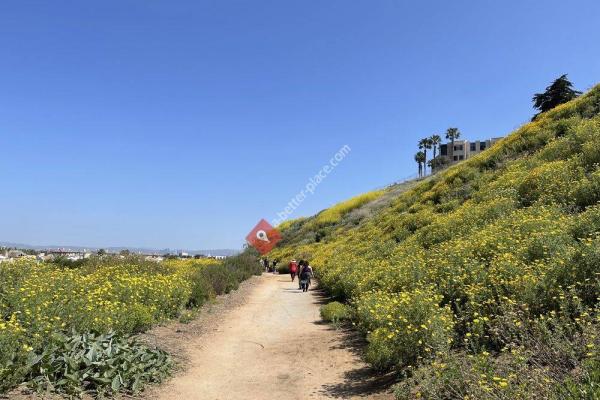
x=182, y=123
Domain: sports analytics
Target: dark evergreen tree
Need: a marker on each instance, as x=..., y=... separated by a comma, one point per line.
x=559, y=92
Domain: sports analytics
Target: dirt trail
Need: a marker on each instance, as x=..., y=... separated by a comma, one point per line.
x=273, y=346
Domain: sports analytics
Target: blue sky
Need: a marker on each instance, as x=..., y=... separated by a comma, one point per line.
x=182, y=123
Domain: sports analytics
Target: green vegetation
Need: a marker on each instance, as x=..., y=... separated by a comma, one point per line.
x=559, y=92
x=452, y=134
x=100, y=364
x=425, y=144
x=55, y=318
x=482, y=281
x=420, y=159
x=187, y=316
x=335, y=312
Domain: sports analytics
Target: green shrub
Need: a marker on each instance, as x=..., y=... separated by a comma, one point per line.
x=13, y=353
x=222, y=280
x=588, y=134
x=587, y=191
x=202, y=289
x=283, y=268
x=404, y=328
x=584, y=386
x=77, y=363
x=586, y=224
x=335, y=312
x=244, y=265
x=583, y=273
x=541, y=358
x=209, y=278
x=187, y=316
x=551, y=182
x=137, y=318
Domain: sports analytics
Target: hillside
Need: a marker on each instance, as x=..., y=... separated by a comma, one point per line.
x=480, y=282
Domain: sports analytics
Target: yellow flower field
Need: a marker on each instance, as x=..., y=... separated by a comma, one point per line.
x=105, y=295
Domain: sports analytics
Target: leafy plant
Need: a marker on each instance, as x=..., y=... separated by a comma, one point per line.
x=77, y=363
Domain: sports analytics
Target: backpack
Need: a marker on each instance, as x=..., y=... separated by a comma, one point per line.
x=305, y=274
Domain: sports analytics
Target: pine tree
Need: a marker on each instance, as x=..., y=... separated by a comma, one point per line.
x=559, y=92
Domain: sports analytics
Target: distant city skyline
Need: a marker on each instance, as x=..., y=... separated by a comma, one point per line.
x=145, y=250
x=181, y=125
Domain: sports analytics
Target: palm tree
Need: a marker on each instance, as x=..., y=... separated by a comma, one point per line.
x=425, y=144
x=435, y=142
x=420, y=159
x=452, y=134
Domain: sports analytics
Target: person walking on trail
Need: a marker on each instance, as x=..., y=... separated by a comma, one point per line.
x=300, y=266
x=310, y=272
x=275, y=266
x=305, y=276
x=293, y=269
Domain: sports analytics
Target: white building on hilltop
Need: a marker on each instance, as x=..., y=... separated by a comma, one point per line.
x=462, y=150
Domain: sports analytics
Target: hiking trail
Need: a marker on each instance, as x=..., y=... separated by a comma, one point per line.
x=272, y=346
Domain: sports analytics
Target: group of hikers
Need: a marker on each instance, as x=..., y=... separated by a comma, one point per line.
x=303, y=271
x=300, y=269
x=270, y=267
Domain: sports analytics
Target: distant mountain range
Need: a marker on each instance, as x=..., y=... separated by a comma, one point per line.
x=144, y=250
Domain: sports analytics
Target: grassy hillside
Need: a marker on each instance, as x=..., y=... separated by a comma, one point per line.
x=298, y=235
x=481, y=282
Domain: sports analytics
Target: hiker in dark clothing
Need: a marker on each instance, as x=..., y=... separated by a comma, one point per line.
x=310, y=272
x=300, y=266
x=305, y=276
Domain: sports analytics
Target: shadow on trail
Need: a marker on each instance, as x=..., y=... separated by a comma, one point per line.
x=362, y=381
x=320, y=297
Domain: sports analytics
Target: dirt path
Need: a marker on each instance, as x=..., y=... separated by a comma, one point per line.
x=273, y=346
